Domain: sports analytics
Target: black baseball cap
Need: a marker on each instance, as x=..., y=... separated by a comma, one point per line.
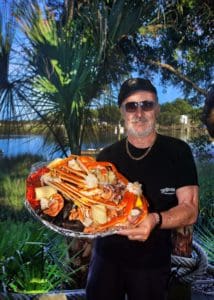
x=133, y=85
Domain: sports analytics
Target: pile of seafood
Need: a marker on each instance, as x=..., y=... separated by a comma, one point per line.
x=80, y=194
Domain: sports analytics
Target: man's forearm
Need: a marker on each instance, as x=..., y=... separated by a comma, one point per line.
x=179, y=216
x=186, y=212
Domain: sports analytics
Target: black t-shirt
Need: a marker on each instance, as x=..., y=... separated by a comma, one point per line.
x=168, y=166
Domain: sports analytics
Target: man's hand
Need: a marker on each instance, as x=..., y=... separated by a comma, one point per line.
x=183, y=214
x=142, y=231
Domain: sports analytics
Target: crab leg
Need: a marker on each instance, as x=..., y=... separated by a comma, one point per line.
x=64, y=191
x=92, y=164
x=76, y=196
x=73, y=179
x=59, y=163
x=86, y=199
x=71, y=170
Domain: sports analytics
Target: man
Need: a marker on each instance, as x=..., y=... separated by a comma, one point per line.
x=208, y=112
x=136, y=262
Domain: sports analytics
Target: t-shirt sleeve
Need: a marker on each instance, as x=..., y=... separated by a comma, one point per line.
x=186, y=167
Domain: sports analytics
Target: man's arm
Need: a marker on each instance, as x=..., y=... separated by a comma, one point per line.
x=185, y=213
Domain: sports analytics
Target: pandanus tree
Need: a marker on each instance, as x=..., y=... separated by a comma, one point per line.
x=72, y=54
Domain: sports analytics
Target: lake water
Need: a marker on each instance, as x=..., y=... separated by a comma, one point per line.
x=34, y=144
x=23, y=144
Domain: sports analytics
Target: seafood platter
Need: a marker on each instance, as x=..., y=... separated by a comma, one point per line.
x=81, y=197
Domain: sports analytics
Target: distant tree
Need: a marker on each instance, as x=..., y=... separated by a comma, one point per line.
x=178, y=44
x=178, y=106
x=171, y=112
x=109, y=113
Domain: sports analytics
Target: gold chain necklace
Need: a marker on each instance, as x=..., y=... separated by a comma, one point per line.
x=140, y=157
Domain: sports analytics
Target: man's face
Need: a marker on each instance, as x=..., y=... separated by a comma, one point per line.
x=140, y=122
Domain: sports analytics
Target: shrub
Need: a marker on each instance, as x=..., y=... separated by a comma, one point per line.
x=33, y=259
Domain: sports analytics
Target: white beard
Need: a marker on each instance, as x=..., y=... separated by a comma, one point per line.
x=144, y=132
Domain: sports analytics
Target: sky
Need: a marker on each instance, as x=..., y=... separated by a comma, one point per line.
x=167, y=95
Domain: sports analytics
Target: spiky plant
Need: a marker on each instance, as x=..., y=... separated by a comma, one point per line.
x=33, y=259
x=71, y=54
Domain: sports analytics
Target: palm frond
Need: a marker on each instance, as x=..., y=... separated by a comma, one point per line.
x=72, y=59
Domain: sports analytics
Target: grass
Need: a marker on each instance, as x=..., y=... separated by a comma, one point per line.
x=33, y=259
x=13, y=173
x=204, y=228
x=206, y=180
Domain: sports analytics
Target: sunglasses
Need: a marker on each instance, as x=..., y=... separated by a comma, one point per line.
x=146, y=105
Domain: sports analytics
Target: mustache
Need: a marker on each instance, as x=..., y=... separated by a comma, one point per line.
x=139, y=119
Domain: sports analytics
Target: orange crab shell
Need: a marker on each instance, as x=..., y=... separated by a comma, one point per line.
x=33, y=181
x=56, y=205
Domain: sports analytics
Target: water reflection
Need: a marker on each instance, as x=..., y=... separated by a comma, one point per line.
x=34, y=144
x=24, y=144
x=184, y=134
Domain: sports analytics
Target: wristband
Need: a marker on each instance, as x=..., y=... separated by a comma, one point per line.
x=158, y=218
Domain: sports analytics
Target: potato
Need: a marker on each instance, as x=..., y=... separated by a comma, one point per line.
x=44, y=192
x=99, y=214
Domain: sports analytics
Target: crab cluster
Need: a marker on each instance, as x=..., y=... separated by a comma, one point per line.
x=101, y=198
